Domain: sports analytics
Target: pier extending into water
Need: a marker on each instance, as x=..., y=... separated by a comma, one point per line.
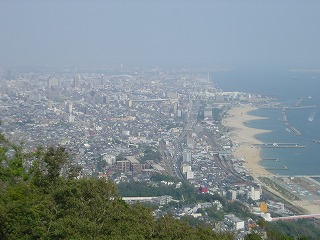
x=310, y=106
x=280, y=145
x=294, y=130
x=298, y=103
x=288, y=126
x=284, y=115
x=271, y=159
x=277, y=168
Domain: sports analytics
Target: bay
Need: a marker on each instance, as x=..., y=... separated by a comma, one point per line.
x=289, y=88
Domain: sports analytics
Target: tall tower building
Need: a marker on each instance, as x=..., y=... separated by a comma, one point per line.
x=76, y=81
x=187, y=156
x=52, y=83
x=67, y=115
x=68, y=107
x=102, y=82
x=189, y=139
x=175, y=108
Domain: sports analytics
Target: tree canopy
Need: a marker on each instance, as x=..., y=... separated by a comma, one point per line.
x=42, y=197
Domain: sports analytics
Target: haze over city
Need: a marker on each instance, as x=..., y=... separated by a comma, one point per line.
x=145, y=119
x=164, y=33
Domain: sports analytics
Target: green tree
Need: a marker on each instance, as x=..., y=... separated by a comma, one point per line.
x=12, y=161
x=253, y=236
x=51, y=203
x=48, y=165
x=41, y=197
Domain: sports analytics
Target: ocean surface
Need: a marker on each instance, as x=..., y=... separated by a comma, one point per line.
x=288, y=87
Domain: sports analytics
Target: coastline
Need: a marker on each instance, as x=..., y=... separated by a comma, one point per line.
x=243, y=139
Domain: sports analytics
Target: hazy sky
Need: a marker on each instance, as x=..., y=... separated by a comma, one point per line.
x=191, y=33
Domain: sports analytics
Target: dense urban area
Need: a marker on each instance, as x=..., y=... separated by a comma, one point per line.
x=158, y=135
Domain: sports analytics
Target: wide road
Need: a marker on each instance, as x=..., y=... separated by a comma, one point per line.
x=172, y=163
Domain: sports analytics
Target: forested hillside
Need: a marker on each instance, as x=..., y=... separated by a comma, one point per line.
x=41, y=197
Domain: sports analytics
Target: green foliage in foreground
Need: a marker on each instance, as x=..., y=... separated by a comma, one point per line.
x=187, y=193
x=41, y=198
x=142, y=189
x=300, y=229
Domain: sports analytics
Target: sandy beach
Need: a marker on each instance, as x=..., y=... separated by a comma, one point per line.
x=244, y=139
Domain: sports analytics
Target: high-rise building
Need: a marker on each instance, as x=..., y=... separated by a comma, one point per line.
x=234, y=222
x=52, y=83
x=109, y=159
x=189, y=139
x=254, y=194
x=135, y=166
x=76, y=81
x=187, y=156
x=102, y=80
x=189, y=175
x=232, y=195
x=175, y=108
x=186, y=168
x=68, y=117
x=68, y=107
x=105, y=99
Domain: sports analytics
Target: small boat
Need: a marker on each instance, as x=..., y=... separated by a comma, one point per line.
x=312, y=116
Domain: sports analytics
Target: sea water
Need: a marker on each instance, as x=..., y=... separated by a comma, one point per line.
x=288, y=87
